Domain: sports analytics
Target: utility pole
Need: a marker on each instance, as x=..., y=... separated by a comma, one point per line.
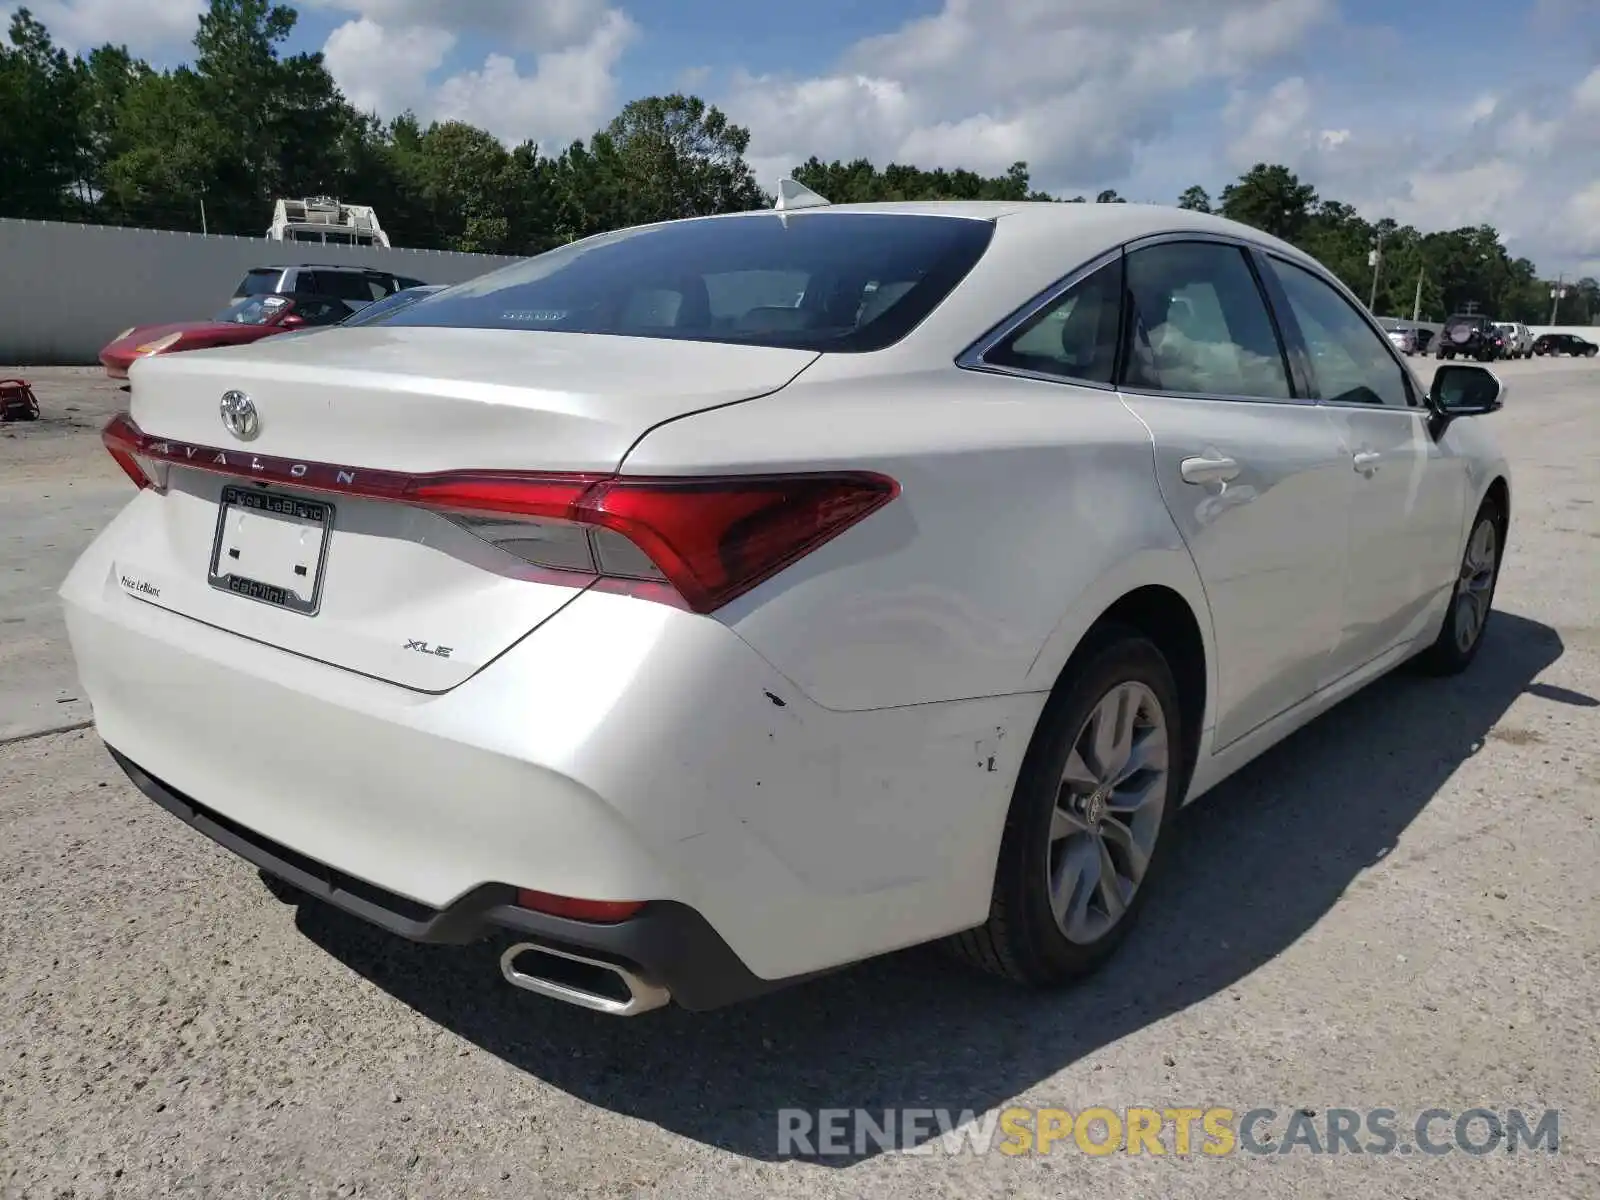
x=1557, y=294
x=1375, y=259
x=202, y=216
x=1416, y=305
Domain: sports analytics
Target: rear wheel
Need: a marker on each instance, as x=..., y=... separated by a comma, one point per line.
x=1458, y=641
x=1103, y=776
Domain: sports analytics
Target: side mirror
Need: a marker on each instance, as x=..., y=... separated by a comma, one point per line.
x=292, y=321
x=1464, y=390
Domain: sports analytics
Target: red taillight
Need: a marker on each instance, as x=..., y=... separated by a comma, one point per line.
x=124, y=440
x=597, y=911
x=698, y=542
x=711, y=539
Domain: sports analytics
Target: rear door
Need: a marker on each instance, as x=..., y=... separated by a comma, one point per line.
x=1410, y=493
x=1255, y=474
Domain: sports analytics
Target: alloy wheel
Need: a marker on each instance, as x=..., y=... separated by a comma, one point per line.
x=1476, y=585
x=1108, y=812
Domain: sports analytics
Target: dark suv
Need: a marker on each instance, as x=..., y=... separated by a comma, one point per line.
x=1471, y=335
x=356, y=286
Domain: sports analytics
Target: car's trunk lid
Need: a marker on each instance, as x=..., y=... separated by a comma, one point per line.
x=392, y=590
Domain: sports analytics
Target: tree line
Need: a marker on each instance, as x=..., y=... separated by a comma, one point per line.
x=104, y=137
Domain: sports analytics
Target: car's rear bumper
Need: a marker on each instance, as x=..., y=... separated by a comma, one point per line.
x=623, y=751
x=667, y=943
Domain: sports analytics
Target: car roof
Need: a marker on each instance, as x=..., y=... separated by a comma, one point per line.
x=1036, y=242
x=322, y=267
x=1115, y=223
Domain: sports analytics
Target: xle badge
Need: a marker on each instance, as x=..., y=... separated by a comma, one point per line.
x=424, y=648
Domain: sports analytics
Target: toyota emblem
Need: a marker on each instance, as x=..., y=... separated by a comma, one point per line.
x=239, y=415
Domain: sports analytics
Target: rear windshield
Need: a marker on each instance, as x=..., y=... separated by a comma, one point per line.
x=848, y=282
x=262, y=281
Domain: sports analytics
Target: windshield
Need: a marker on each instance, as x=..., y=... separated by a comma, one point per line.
x=811, y=280
x=252, y=310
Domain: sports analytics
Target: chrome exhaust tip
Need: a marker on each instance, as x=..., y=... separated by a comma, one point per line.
x=601, y=987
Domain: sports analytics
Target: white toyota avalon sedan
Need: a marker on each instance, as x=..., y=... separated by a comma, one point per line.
x=703, y=606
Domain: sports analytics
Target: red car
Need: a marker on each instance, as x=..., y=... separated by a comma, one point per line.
x=247, y=319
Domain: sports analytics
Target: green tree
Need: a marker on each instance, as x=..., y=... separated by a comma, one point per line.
x=43, y=148
x=1271, y=198
x=859, y=182
x=1196, y=199
x=673, y=156
x=1109, y=196
x=167, y=147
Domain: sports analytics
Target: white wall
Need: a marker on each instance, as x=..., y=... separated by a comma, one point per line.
x=67, y=290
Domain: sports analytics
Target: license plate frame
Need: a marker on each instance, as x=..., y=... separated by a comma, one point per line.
x=271, y=503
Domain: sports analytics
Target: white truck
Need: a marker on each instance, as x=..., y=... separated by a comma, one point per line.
x=324, y=221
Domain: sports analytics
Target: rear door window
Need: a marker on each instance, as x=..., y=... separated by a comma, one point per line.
x=1199, y=324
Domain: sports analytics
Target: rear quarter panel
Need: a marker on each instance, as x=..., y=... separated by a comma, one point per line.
x=1027, y=509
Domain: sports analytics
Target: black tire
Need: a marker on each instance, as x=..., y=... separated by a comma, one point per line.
x=1021, y=941
x=1447, y=655
x=1590, y=352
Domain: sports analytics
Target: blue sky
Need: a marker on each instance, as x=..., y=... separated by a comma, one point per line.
x=1407, y=110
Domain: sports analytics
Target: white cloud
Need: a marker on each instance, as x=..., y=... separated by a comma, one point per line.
x=538, y=25
x=570, y=93
x=1525, y=164
x=385, y=71
x=553, y=81
x=1583, y=215
x=1586, y=96
x=153, y=27
x=1120, y=93
x=1071, y=88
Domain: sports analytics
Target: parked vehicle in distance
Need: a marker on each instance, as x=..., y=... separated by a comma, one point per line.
x=355, y=285
x=1517, y=337
x=1424, y=338
x=688, y=641
x=379, y=309
x=1404, y=339
x=246, y=320
x=1564, y=343
x=1470, y=335
x=325, y=221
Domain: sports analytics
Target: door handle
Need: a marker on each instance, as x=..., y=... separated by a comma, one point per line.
x=1208, y=470
x=1366, y=461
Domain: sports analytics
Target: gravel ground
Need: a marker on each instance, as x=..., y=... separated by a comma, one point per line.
x=58, y=488
x=1396, y=908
